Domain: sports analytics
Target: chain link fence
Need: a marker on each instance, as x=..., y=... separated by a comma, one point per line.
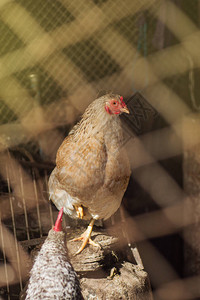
x=55, y=58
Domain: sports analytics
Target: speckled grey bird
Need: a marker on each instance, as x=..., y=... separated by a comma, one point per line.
x=92, y=168
x=52, y=276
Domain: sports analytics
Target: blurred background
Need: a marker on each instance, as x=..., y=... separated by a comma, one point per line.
x=56, y=57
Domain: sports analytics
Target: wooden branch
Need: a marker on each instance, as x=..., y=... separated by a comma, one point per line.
x=106, y=273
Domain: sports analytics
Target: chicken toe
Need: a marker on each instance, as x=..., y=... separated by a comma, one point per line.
x=85, y=237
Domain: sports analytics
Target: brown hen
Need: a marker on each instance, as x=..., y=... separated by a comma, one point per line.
x=92, y=169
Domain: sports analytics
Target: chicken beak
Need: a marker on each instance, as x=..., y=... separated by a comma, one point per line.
x=125, y=110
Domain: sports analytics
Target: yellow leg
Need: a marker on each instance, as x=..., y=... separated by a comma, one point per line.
x=79, y=211
x=85, y=237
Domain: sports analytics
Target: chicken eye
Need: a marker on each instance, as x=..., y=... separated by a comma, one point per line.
x=114, y=103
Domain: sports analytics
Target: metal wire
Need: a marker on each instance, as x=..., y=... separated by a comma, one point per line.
x=4, y=260
x=14, y=231
x=37, y=203
x=49, y=204
x=24, y=203
x=55, y=57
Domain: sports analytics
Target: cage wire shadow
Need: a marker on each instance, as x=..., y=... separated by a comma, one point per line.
x=55, y=58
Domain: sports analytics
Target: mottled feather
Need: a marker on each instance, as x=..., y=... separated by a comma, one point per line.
x=52, y=275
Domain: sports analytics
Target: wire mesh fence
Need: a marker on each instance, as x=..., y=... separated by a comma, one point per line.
x=55, y=58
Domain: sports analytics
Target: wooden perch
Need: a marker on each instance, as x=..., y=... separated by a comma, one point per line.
x=105, y=272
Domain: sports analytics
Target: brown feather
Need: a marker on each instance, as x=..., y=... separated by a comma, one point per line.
x=92, y=168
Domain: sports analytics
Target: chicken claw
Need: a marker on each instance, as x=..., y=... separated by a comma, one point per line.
x=85, y=237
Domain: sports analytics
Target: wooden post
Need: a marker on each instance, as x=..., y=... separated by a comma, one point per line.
x=106, y=273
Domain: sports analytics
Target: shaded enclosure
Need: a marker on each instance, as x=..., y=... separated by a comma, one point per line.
x=56, y=57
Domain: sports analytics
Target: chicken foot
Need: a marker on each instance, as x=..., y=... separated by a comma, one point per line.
x=85, y=237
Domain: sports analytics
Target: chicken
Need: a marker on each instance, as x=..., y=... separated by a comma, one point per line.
x=52, y=275
x=92, y=168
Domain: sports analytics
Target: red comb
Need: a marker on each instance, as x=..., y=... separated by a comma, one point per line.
x=58, y=224
x=122, y=101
